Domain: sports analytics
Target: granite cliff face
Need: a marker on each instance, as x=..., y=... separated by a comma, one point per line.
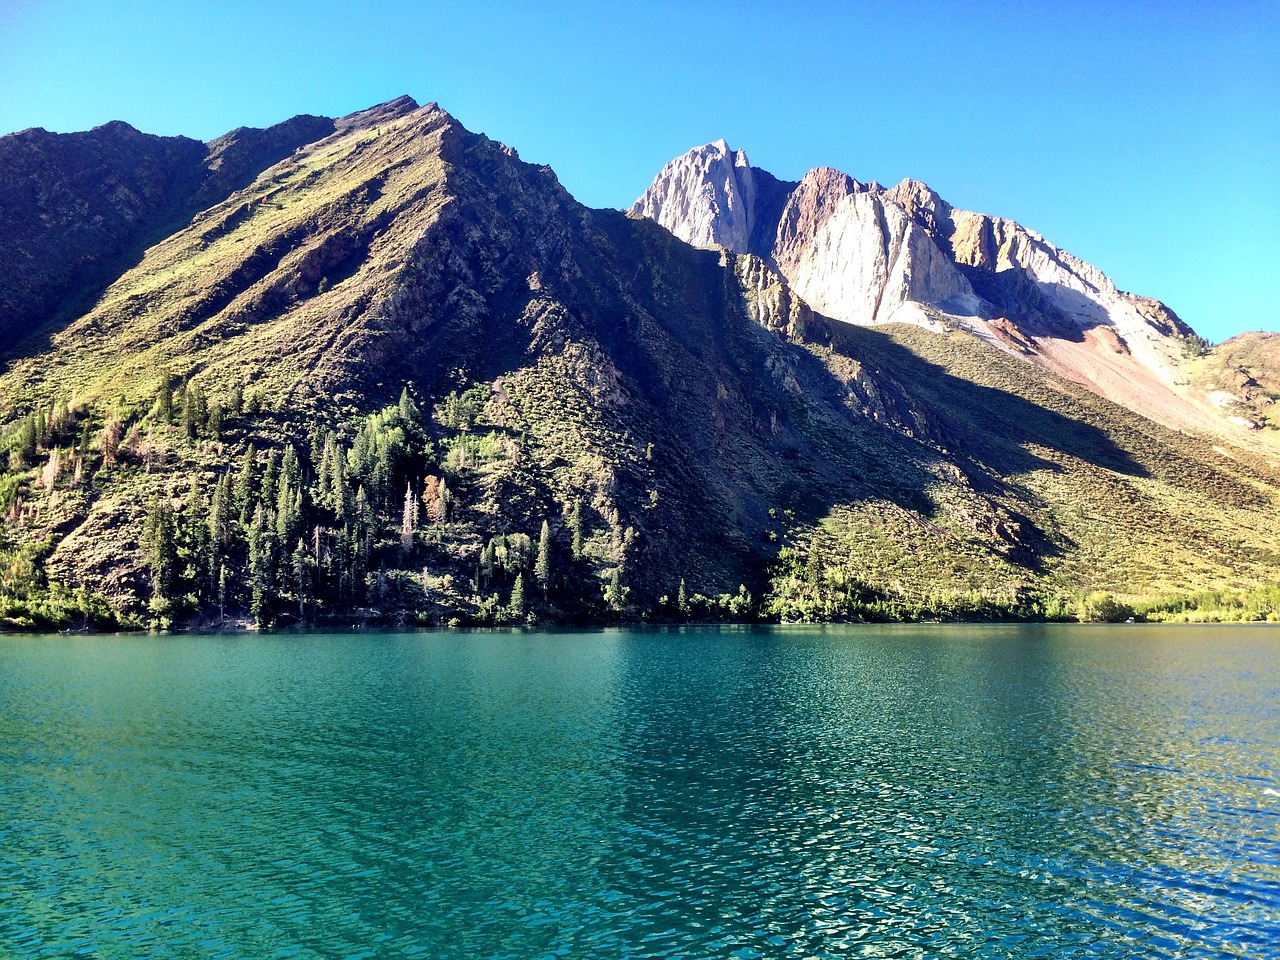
x=867, y=255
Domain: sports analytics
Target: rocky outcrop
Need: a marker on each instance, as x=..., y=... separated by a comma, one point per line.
x=706, y=197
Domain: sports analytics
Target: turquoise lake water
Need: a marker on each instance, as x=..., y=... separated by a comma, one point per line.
x=787, y=792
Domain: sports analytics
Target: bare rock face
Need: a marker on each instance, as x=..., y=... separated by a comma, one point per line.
x=868, y=260
x=864, y=254
x=706, y=197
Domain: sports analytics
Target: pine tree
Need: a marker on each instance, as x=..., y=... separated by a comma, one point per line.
x=164, y=397
x=302, y=567
x=195, y=543
x=317, y=448
x=271, y=479
x=220, y=512
x=446, y=502
x=813, y=567
x=288, y=516
x=409, y=518
x=214, y=424
x=516, y=607
x=291, y=468
x=339, y=488
x=682, y=598
x=188, y=413
x=245, y=482
x=262, y=563
x=86, y=437
x=27, y=441
x=575, y=525
x=488, y=562
x=159, y=544
x=408, y=409
x=542, y=567
x=613, y=593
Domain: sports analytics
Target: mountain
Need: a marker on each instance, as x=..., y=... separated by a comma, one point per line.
x=378, y=368
x=867, y=255
x=76, y=209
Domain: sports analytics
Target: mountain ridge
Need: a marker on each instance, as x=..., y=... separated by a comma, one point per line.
x=866, y=254
x=403, y=376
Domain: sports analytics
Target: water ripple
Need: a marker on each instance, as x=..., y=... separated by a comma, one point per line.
x=772, y=794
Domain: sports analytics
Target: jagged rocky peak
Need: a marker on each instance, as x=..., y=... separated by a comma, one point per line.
x=706, y=197
x=922, y=203
x=866, y=254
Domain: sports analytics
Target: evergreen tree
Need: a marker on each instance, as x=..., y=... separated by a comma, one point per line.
x=409, y=519
x=164, y=397
x=291, y=468
x=317, y=448
x=160, y=548
x=41, y=423
x=188, y=413
x=222, y=592
x=408, y=409
x=262, y=565
x=488, y=563
x=613, y=593
x=27, y=439
x=575, y=525
x=195, y=543
x=516, y=606
x=214, y=424
x=542, y=567
x=271, y=479
x=682, y=598
x=288, y=511
x=446, y=501
x=220, y=512
x=301, y=568
x=86, y=436
x=339, y=488
x=245, y=482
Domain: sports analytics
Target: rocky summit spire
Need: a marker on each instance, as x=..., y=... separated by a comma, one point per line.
x=707, y=197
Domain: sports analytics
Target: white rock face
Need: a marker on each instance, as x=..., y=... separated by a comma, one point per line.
x=864, y=254
x=706, y=197
x=867, y=259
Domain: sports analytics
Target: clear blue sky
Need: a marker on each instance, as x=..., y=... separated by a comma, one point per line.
x=1143, y=137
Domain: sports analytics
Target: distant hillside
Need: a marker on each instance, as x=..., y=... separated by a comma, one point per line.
x=389, y=372
x=1242, y=378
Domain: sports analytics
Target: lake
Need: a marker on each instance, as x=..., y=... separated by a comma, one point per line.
x=968, y=791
